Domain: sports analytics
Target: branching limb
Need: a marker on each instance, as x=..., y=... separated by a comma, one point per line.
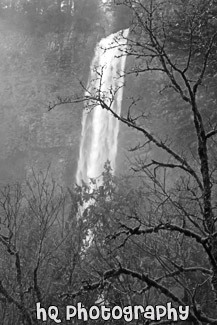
x=21, y=307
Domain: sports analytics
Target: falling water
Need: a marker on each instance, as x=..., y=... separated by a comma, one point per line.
x=99, y=138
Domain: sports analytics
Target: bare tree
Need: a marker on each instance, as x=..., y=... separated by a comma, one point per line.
x=178, y=226
x=40, y=246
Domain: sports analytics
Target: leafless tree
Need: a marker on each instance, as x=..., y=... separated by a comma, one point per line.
x=178, y=226
x=40, y=245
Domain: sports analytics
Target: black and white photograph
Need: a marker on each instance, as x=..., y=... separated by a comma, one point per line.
x=108, y=164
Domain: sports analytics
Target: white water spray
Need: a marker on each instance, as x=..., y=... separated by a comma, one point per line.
x=99, y=138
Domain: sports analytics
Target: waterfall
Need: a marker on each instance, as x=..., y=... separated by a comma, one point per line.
x=99, y=137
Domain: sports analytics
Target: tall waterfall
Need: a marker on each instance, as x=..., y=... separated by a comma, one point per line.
x=99, y=137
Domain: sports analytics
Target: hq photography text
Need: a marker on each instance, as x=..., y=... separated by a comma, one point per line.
x=128, y=313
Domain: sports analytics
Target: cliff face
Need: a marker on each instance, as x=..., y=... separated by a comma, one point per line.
x=34, y=71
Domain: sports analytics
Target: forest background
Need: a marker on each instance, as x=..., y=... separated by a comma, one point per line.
x=46, y=50
x=154, y=229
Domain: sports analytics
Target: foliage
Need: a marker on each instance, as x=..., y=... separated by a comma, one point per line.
x=137, y=231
